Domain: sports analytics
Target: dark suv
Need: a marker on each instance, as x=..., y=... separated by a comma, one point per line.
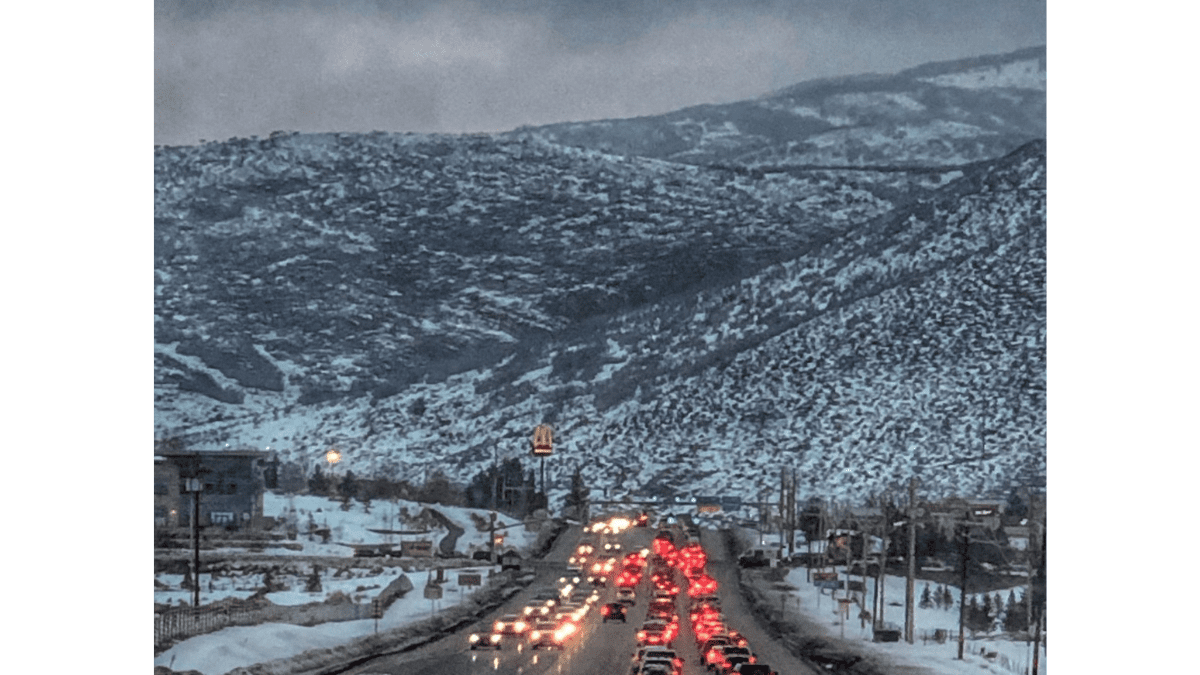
x=613, y=611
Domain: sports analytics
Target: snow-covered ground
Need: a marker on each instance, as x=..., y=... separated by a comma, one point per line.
x=237, y=646
x=219, y=652
x=941, y=659
x=353, y=526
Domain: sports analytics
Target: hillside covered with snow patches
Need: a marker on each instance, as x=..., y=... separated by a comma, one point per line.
x=688, y=327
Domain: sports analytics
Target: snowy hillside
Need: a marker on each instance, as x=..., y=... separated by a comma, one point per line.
x=935, y=115
x=424, y=301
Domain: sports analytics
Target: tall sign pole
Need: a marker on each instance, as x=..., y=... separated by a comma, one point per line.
x=542, y=446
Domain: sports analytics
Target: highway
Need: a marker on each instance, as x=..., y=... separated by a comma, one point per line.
x=598, y=648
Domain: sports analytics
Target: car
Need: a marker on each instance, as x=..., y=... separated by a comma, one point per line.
x=541, y=636
x=649, y=655
x=484, y=640
x=651, y=664
x=723, y=658
x=626, y=596
x=510, y=624
x=613, y=611
x=730, y=663
x=652, y=635
x=753, y=669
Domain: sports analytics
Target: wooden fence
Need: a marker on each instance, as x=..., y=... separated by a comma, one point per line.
x=181, y=623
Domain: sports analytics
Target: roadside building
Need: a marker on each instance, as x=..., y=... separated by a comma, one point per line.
x=231, y=481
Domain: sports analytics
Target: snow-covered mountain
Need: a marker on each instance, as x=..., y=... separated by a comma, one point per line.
x=689, y=325
x=937, y=114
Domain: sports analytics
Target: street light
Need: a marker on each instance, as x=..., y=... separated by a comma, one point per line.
x=332, y=457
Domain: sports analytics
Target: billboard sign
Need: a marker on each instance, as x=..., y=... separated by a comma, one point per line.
x=416, y=549
x=543, y=441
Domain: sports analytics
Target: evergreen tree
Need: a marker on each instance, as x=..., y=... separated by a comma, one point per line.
x=313, y=584
x=997, y=609
x=948, y=599
x=926, y=598
x=439, y=490
x=1016, y=507
x=271, y=475
x=291, y=478
x=975, y=619
x=578, y=495
x=986, y=613
x=1014, y=614
x=318, y=483
x=350, y=486
x=939, y=596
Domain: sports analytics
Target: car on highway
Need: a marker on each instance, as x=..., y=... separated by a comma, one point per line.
x=536, y=608
x=753, y=669
x=613, y=611
x=731, y=663
x=653, y=652
x=542, y=635
x=510, y=624
x=652, y=664
x=626, y=596
x=723, y=658
x=484, y=640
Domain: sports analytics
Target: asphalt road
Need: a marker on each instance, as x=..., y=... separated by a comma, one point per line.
x=599, y=648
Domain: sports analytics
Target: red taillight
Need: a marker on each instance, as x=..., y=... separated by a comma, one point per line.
x=604, y=611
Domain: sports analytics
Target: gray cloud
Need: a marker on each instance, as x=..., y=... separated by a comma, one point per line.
x=227, y=69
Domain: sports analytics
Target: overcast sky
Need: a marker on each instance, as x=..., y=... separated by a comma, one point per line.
x=226, y=68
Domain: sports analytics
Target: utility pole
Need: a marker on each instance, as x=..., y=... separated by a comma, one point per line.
x=965, y=529
x=881, y=583
x=195, y=485
x=782, y=507
x=909, y=587
x=1037, y=631
x=793, y=516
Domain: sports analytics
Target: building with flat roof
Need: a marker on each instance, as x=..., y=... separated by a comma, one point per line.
x=231, y=482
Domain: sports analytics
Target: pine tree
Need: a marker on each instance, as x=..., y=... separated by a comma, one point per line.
x=986, y=613
x=926, y=598
x=974, y=613
x=947, y=599
x=313, y=585
x=578, y=495
x=318, y=484
x=1014, y=614
x=997, y=608
x=350, y=486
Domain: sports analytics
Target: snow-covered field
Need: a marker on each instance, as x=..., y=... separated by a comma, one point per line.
x=219, y=652
x=941, y=659
x=237, y=646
